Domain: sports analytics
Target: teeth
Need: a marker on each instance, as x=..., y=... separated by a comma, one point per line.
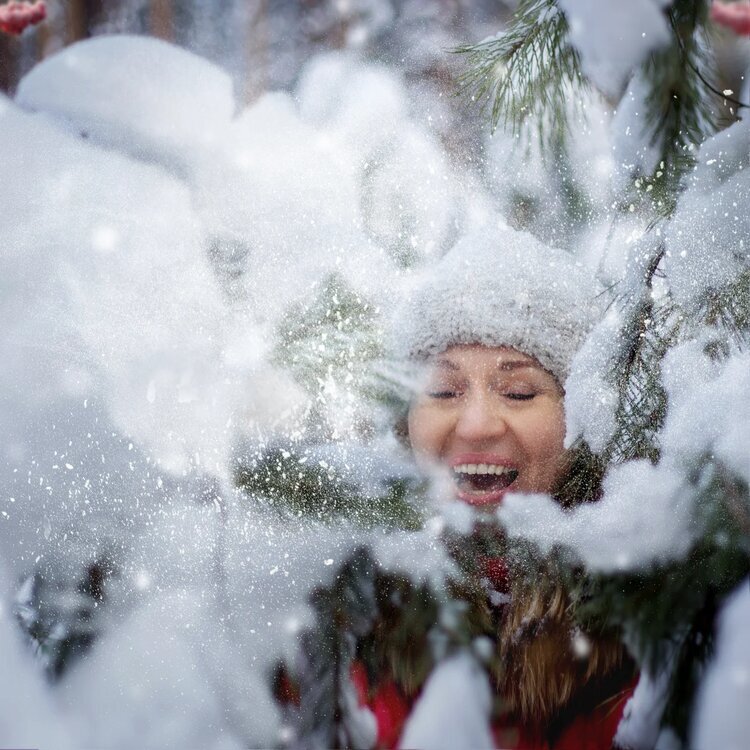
x=482, y=469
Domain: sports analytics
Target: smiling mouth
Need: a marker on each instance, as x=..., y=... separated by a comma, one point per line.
x=483, y=483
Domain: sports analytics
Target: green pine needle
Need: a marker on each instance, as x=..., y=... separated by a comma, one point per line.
x=528, y=73
x=286, y=482
x=727, y=310
x=668, y=612
x=335, y=336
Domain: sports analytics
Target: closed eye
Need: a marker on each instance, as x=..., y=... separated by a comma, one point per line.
x=520, y=396
x=443, y=394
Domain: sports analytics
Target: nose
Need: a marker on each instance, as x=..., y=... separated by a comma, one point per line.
x=478, y=420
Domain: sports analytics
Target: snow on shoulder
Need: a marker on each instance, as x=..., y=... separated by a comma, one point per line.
x=454, y=708
x=141, y=95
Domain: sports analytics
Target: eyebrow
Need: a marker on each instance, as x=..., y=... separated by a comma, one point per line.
x=446, y=364
x=506, y=366
x=517, y=364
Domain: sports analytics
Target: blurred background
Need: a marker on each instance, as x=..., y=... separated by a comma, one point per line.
x=264, y=43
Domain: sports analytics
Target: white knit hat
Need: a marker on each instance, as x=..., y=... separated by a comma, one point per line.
x=499, y=287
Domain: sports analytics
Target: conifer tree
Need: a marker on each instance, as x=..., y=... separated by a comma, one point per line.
x=686, y=288
x=676, y=331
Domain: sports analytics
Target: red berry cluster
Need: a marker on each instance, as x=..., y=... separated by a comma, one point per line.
x=735, y=16
x=16, y=16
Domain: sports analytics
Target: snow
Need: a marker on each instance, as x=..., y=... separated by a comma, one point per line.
x=82, y=355
x=141, y=289
x=590, y=398
x=155, y=235
x=528, y=182
x=613, y=38
x=591, y=394
x=104, y=226
x=635, y=150
x=706, y=241
x=721, y=718
x=155, y=683
x=286, y=194
x=411, y=199
x=201, y=611
x=639, y=728
x=169, y=101
x=26, y=697
x=453, y=710
x=720, y=424
x=644, y=518
x=137, y=334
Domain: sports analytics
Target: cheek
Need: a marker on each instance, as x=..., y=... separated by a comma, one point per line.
x=555, y=431
x=544, y=437
x=427, y=430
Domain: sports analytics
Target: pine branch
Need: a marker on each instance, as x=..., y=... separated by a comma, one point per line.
x=681, y=108
x=528, y=73
x=649, y=330
x=582, y=482
x=724, y=96
x=344, y=612
x=728, y=311
x=637, y=374
x=335, y=336
x=669, y=611
x=399, y=645
x=679, y=115
x=61, y=618
x=292, y=482
x=397, y=628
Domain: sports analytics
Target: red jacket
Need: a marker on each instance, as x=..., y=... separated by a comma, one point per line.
x=592, y=731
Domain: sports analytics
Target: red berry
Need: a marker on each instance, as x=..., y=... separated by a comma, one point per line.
x=734, y=16
x=16, y=16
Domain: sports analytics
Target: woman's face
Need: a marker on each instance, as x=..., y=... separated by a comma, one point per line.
x=492, y=416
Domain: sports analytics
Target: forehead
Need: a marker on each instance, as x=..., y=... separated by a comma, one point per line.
x=467, y=357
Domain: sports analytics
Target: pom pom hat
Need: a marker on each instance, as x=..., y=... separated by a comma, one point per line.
x=499, y=287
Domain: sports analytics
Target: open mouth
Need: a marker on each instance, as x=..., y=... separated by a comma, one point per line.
x=482, y=484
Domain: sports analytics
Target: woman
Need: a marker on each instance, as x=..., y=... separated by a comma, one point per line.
x=493, y=329
x=493, y=417
x=491, y=332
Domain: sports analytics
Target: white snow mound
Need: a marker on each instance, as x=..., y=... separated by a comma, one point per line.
x=613, y=37
x=137, y=94
x=721, y=718
x=645, y=517
x=454, y=708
